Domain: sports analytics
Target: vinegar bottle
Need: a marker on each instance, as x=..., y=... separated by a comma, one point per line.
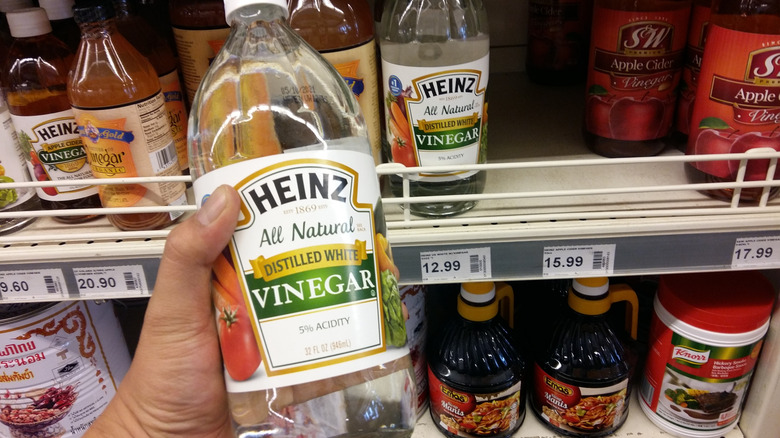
x=199, y=29
x=636, y=56
x=298, y=153
x=435, y=59
x=697, y=35
x=37, y=78
x=13, y=170
x=63, y=26
x=152, y=45
x=475, y=366
x=581, y=384
x=343, y=32
x=120, y=109
x=558, y=35
x=736, y=104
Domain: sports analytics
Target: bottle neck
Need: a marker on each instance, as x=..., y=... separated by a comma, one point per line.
x=249, y=14
x=98, y=29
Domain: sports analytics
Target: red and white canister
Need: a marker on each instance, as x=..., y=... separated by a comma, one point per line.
x=60, y=365
x=705, y=338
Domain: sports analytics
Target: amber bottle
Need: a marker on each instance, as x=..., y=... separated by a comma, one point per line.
x=37, y=76
x=343, y=32
x=635, y=61
x=116, y=96
x=737, y=103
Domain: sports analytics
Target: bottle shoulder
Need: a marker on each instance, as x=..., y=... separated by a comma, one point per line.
x=335, y=25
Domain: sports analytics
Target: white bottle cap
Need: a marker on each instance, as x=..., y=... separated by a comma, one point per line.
x=28, y=22
x=10, y=5
x=232, y=5
x=58, y=9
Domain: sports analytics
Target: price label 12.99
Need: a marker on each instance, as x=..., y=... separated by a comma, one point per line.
x=455, y=265
x=756, y=251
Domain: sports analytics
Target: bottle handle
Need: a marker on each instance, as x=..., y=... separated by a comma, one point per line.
x=623, y=292
x=505, y=297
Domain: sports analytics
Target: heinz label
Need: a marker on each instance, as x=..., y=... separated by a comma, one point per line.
x=634, y=69
x=738, y=99
x=314, y=272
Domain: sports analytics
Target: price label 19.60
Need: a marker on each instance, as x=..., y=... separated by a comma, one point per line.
x=455, y=265
x=34, y=283
x=756, y=251
x=573, y=261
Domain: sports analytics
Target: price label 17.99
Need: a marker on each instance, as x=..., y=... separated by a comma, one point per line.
x=756, y=251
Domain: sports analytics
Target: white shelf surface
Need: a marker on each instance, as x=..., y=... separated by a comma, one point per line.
x=543, y=188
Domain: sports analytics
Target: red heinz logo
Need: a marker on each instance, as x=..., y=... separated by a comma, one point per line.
x=646, y=37
x=764, y=66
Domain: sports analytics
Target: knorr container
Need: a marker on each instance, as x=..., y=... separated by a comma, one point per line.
x=705, y=338
x=60, y=365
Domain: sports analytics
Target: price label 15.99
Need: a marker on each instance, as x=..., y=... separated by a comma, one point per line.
x=455, y=265
x=756, y=251
x=574, y=261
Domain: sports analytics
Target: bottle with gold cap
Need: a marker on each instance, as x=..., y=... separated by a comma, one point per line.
x=581, y=384
x=475, y=366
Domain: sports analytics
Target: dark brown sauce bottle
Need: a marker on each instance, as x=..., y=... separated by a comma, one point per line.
x=475, y=367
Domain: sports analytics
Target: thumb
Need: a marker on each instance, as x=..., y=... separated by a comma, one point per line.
x=183, y=278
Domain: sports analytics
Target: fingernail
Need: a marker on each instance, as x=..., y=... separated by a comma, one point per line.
x=212, y=207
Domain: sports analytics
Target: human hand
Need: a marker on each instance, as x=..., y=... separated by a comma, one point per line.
x=175, y=385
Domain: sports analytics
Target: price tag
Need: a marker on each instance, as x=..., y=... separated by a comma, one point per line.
x=111, y=279
x=455, y=264
x=578, y=261
x=756, y=251
x=32, y=283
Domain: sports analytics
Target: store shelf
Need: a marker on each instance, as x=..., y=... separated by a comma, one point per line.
x=637, y=425
x=545, y=194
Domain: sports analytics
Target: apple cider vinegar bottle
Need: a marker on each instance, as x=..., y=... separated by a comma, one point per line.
x=737, y=106
x=636, y=57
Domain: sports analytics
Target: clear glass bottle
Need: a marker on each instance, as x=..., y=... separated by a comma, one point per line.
x=737, y=103
x=146, y=40
x=120, y=109
x=343, y=32
x=36, y=72
x=13, y=169
x=635, y=63
x=298, y=153
x=435, y=59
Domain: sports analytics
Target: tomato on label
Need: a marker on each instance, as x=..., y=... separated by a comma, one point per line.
x=403, y=153
x=240, y=352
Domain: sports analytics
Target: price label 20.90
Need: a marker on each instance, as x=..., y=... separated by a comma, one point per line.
x=756, y=251
x=111, y=279
x=572, y=261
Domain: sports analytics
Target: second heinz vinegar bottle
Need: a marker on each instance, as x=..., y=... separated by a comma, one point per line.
x=120, y=110
x=435, y=58
x=334, y=360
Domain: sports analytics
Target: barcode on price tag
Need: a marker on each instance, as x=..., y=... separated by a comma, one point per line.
x=756, y=251
x=111, y=279
x=32, y=283
x=578, y=261
x=455, y=265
